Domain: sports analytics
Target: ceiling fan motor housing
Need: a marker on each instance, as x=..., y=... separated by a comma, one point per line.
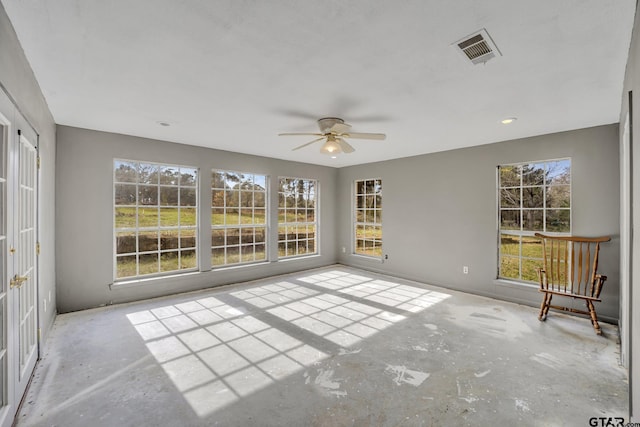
x=325, y=124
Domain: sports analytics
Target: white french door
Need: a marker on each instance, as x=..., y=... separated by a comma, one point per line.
x=18, y=244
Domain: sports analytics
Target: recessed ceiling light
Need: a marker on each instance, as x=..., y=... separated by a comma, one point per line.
x=508, y=120
x=166, y=124
x=334, y=157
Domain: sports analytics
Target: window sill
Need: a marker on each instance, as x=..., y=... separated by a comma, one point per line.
x=368, y=258
x=148, y=280
x=240, y=266
x=516, y=284
x=299, y=257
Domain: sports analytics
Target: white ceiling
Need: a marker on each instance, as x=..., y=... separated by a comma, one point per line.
x=232, y=74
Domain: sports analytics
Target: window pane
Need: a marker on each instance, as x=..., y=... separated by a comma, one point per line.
x=509, y=244
x=232, y=216
x=169, y=261
x=533, y=174
x=232, y=198
x=187, y=217
x=246, y=254
x=217, y=198
x=559, y=172
x=530, y=269
x=259, y=216
x=510, y=176
x=169, y=196
x=261, y=253
x=217, y=237
x=169, y=175
x=125, y=171
x=233, y=236
x=233, y=254
x=126, y=242
x=559, y=196
x=531, y=247
x=125, y=194
x=147, y=216
x=147, y=241
x=217, y=179
x=510, y=198
x=125, y=217
x=533, y=197
x=187, y=238
x=187, y=197
x=509, y=220
x=188, y=177
x=558, y=220
x=217, y=257
x=148, y=174
x=169, y=217
x=260, y=233
x=246, y=235
x=148, y=263
x=147, y=195
x=169, y=239
x=188, y=259
x=510, y=267
x=532, y=220
x=127, y=266
x=217, y=216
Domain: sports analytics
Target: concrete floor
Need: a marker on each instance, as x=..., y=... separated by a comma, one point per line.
x=327, y=347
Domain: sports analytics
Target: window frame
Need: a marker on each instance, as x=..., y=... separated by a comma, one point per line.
x=522, y=232
x=365, y=223
x=240, y=225
x=315, y=224
x=158, y=228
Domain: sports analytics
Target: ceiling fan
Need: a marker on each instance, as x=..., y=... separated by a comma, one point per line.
x=334, y=131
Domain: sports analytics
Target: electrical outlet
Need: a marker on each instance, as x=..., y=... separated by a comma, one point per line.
x=386, y=256
x=344, y=250
x=465, y=269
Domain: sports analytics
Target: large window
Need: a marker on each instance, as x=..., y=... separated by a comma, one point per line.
x=368, y=217
x=238, y=218
x=155, y=218
x=297, y=219
x=533, y=197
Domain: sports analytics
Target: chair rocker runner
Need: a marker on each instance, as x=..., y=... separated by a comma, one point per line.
x=569, y=269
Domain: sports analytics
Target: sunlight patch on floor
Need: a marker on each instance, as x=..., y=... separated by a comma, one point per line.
x=216, y=353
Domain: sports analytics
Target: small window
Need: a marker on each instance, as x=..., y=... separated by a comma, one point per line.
x=368, y=217
x=238, y=218
x=155, y=218
x=297, y=217
x=532, y=197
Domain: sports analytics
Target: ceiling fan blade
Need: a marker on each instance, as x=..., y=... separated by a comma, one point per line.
x=340, y=128
x=308, y=143
x=361, y=135
x=345, y=146
x=302, y=133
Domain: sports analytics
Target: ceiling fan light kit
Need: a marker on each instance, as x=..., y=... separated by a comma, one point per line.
x=334, y=131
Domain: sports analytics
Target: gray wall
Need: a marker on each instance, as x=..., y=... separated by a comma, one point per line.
x=439, y=211
x=17, y=79
x=84, y=208
x=632, y=84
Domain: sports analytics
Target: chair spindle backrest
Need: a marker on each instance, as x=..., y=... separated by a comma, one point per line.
x=571, y=263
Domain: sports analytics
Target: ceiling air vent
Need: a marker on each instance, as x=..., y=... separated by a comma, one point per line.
x=478, y=47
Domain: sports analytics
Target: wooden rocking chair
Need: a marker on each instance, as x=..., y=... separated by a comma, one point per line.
x=569, y=270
